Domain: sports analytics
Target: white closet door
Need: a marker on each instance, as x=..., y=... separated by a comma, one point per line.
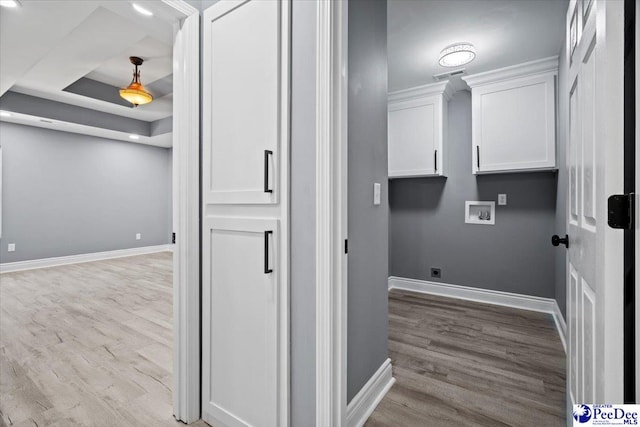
x=242, y=89
x=240, y=305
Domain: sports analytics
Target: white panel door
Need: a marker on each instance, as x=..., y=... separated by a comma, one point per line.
x=240, y=305
x=242, y=108
x=594, y=162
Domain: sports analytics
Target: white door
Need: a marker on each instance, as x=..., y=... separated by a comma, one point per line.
x=240, y=301
x=245, y=306
x=595, y=170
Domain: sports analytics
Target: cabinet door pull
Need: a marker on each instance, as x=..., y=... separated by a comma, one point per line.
x=267, y=153
x=478, y=156
x=267, y=270
x=435, y=159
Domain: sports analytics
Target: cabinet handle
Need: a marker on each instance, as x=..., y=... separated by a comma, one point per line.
x=267, y=270
x=478, y=156
x=267, y=153
x=435, y=159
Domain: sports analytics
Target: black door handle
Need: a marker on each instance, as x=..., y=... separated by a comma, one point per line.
x=267, y=270
x=267, y=153
x=557, y=240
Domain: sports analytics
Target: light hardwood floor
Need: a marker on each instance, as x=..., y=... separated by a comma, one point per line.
x=88, y=344
x=461, y=363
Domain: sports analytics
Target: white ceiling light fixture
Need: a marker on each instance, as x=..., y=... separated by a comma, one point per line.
x=457, y=54
x=141, y=10
x=5, y=114
x=9, y=3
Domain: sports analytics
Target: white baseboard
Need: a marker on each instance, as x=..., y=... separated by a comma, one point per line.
x=507, y=299
x=364, y=403
x=76, y=259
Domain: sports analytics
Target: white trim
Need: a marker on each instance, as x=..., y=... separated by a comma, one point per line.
x=424, y=91
x=526, y=69
x=186, y=213
x=365, y=402
x=561, y=325
x=331, y=169
x=507, y=299
x=33, y=264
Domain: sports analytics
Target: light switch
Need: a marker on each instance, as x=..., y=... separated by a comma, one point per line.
x=11, y=247
x=502, y=199
x=376, y=193
x=138, y=236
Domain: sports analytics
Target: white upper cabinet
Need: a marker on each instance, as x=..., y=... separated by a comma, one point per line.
x=417, y=130
x=514, y=118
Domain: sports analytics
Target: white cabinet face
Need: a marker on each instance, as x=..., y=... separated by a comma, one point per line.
x=514, y=125
x=240, y=322
x=415, y=137
x=242, y=104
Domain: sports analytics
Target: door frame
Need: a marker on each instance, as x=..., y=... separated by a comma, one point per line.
x=331, y=212
x=186, y=212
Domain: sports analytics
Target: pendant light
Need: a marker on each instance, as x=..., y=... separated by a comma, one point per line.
x=135, y=93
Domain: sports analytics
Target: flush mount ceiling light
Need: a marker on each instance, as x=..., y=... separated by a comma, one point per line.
x=135, y=93
x=9, y=3
x=457, y=54
x=141, y=10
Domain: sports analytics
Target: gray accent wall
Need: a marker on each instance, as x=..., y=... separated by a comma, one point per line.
x=427, y=227
x=68, y=194
x=303, y=104
x=367, y=224
x=561, y=201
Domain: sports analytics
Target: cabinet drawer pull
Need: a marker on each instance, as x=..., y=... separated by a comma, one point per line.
x=267, y=270
x=478, y=156
x=435, y=159
x=267, y=153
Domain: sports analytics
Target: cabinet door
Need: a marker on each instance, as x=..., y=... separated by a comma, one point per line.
x=240, y=304
x=415, y=138
x=243, y=108
x=514, y=125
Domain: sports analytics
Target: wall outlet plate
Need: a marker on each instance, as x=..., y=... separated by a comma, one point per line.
x=11, y=247
x=138, y=236
x=502, y=199
x=376, y=193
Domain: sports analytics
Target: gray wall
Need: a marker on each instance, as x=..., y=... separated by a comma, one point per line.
x=368, y=224
x=561, y=201
x=303, y=214
x=427, y=226
x=67, y=194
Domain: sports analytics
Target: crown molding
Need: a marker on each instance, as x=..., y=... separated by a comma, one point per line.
x=441, y=88
x=526, y=69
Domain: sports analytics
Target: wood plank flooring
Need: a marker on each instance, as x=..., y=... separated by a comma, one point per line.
x=88, y=344
x=462, y=363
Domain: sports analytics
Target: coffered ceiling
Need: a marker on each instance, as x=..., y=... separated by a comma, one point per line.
x=76, y=52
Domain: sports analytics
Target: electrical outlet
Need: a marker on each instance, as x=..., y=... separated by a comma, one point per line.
x=502, y=199
x=435, y=272
x=138, y=236
x=11, y=247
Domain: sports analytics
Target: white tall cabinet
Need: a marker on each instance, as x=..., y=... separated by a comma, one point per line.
x=514, y=118
x=245, y=206
x=417, y=131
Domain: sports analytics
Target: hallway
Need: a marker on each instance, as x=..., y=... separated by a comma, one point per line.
x=465, y=363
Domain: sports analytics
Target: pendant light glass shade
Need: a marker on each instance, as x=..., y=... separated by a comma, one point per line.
x=135, y=93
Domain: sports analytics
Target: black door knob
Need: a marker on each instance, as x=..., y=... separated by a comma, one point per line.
x=557, y=240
